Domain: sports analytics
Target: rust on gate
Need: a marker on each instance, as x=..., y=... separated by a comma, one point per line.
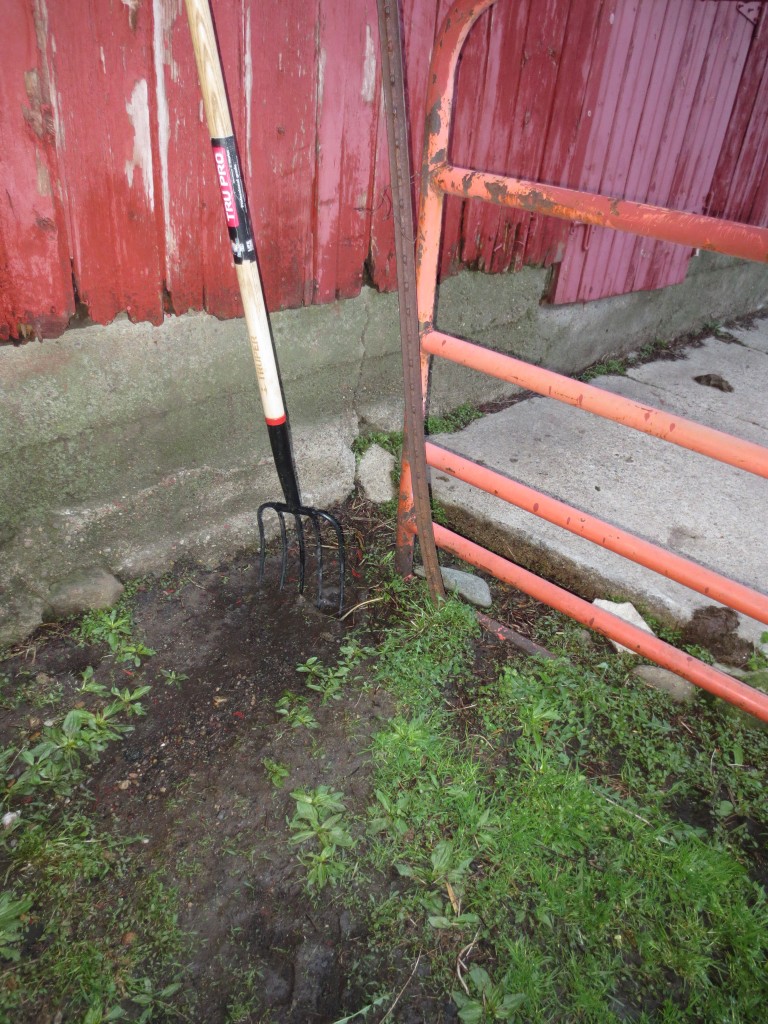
x=440, y=178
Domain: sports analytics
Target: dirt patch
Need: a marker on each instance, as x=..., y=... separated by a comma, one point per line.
x=191, y=779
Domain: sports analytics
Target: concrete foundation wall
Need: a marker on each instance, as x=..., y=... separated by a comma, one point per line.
x=130, y=446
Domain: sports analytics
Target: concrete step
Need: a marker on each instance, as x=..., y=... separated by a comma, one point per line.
x=712, y=513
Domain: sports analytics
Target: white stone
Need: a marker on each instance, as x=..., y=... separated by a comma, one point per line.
x=472, y=588
x=628, y=613
x=374, y=475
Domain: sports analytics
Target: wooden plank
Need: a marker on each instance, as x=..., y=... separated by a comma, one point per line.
x=488, y=103
x=346, y=133
x=221, y=295
x=748, y=179
x=488, y=109
x=281, y=133
x=381, y=267
x=421, y=20
x=644, y=32
x=103, y=68
x=714, y=98
x=36, y=298
x=660, y=143
x=728, y=197
x=661, y=86
x=629, y=170
x=418, y=33
x=581, y=59
x=674, y=121
x=620, y=23
x=187, y=186
x=543, y=44
x=480, y=131
x=704, y=134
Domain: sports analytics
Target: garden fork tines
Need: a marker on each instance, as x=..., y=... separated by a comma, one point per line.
x=316, y=517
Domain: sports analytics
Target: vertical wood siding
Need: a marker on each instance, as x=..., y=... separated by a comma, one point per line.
x=740, y=187
x=35, y=277
x=669, y=87
x=109, y=198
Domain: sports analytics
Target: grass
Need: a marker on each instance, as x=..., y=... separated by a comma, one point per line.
x=392, y=441
x=86, y=932
x=547, y=834
x=619, y=365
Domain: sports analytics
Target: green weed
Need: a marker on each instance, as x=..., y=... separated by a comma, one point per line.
x=603, y=369
x=318, y=824
x=276, y=772
x=453, y=421
x=86, y=933
x=329, y=680
x=392, y=441
x=540, y=855
x=758, y=660
x=296, y=712
x=173, y=678
x=114, y=627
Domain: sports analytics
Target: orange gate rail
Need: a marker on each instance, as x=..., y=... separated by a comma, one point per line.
x=440, y=178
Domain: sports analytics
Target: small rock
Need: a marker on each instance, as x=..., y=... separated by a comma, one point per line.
x=10, y=818
x=658, y=678
x=374, y=475
x=275, y=988
x=472, y=588
x=316, y=981
x=629, y=613
x=85, y=590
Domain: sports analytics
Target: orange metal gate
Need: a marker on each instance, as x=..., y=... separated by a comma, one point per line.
x=440, y=178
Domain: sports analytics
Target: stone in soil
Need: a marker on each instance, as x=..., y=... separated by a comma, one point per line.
x=374, y=474
x=83, y=591
x=472, y=588
x=679, y=689
x=628, y=613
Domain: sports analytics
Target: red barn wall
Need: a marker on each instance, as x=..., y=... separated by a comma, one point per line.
x=109, y=202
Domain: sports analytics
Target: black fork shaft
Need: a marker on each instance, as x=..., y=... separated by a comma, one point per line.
x=280, y=441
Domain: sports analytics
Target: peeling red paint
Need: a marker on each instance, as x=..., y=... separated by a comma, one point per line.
x=138, y=213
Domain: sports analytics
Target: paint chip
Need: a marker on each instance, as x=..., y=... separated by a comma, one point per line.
x=369, y=67
x=138, y=112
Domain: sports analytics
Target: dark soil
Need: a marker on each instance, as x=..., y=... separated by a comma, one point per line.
x=190, y=779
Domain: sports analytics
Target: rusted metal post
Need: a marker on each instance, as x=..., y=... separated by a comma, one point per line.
x=416, y=513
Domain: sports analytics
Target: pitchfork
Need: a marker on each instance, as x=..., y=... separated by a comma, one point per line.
x=230, y=179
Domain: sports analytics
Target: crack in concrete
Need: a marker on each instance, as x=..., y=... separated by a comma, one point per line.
x=356, y=391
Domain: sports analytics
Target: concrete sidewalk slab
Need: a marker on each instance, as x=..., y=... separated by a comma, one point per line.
x=705, y=510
